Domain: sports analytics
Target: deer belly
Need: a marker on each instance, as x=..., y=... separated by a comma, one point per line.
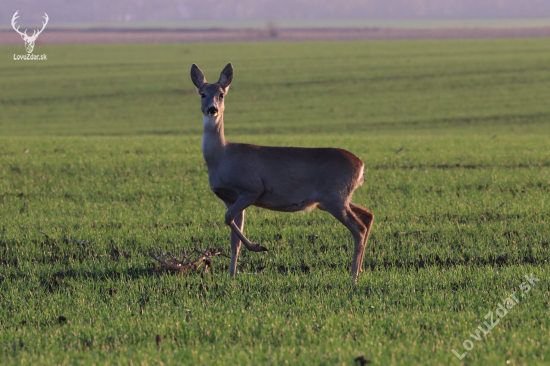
x=283, y=203
x=294, y=207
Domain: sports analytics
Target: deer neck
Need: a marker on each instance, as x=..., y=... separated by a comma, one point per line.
x=213, y=139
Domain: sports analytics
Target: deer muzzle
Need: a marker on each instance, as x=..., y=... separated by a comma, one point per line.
x=212, y=111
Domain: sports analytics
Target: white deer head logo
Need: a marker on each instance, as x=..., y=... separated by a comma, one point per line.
x=29, y=41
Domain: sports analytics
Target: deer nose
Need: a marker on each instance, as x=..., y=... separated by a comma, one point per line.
x=212, y=110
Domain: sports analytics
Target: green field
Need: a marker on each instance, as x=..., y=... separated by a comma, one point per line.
x=100, y=148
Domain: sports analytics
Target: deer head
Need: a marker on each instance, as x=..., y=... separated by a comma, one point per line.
x=212, y=94
x=29, y=41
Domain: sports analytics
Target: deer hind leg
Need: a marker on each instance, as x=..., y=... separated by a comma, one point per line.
x=236, y=209
x=344, y=214
x=366, y=218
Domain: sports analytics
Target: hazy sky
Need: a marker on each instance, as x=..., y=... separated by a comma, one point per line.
x=99, y=11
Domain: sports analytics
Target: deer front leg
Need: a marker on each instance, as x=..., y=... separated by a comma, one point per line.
x=236, y=209
x=235, y=241
x=236, y=244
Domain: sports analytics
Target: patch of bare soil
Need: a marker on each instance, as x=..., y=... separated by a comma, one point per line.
x=159, y=35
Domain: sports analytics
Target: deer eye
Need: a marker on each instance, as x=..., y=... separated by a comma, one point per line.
x=203, y=95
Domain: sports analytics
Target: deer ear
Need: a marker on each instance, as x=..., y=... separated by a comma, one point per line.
x=197, y=77
x=226, y=77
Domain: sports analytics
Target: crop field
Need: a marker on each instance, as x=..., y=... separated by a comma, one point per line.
x=101, y=164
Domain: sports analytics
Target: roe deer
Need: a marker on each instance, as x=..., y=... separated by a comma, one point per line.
x=286, y=179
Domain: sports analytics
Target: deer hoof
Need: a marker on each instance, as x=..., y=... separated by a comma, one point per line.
x=259, y=248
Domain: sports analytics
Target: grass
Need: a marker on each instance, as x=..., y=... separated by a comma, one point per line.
x=100, y=146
